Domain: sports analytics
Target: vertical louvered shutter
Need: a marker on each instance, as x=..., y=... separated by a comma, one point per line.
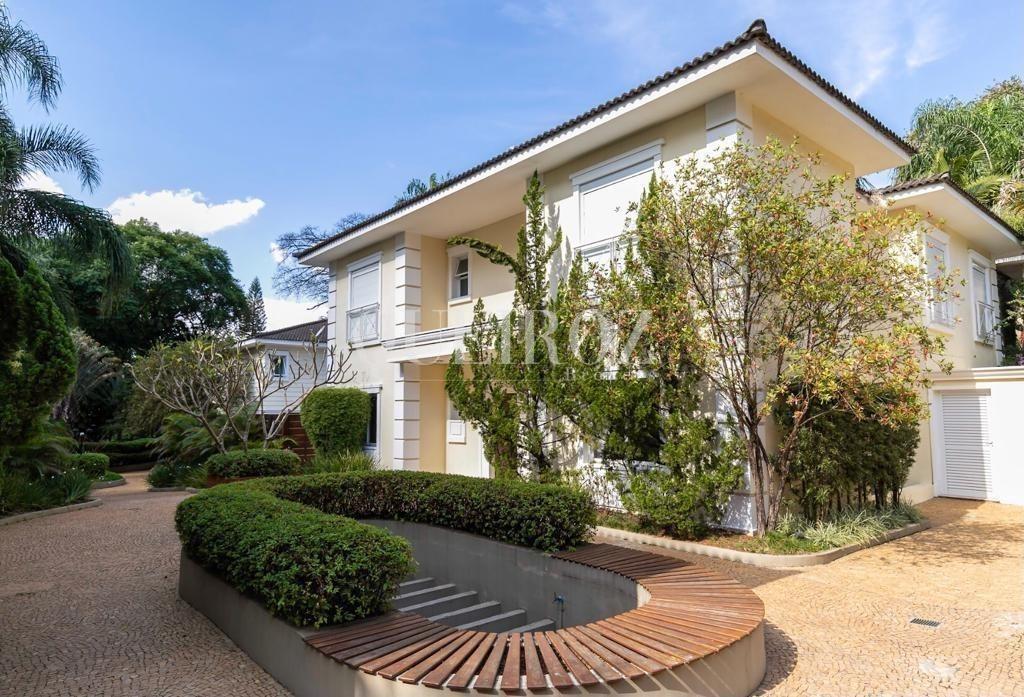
x=967, y=451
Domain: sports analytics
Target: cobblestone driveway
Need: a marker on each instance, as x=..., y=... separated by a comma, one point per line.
x=88, y=606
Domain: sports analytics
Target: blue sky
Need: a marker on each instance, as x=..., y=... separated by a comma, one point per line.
x=243, y=120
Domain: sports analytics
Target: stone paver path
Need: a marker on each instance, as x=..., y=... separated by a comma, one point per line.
x=88, y=606
x=844, y=629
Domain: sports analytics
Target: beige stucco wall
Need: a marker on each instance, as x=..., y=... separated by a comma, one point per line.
x=489, y=282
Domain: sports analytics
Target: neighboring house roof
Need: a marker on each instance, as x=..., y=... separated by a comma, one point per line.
x=296, y=332
x=758, y=31
x=946, y=180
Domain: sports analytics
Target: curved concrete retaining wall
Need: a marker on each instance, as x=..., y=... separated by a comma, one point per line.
x=280, y=649
x=519, y=577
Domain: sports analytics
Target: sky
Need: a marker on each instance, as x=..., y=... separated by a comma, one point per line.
x=241, y=121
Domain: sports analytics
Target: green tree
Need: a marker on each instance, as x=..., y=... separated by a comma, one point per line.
x=767, y=275
x=418, y=187
x=29, y=216
x=511, y=381
x=182, y=288
x=980, y=143
x=37, y=356
x=255, y=319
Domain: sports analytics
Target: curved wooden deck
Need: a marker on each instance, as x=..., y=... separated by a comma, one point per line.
x=692, y=613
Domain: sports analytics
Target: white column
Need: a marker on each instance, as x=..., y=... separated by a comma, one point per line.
x=406, y=444
x=725, y=117
x=332, y=305
x=408, y=281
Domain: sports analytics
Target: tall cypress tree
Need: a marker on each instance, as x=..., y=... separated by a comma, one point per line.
x=255, y=320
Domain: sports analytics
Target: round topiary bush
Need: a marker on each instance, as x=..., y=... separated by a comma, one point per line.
x=236, y=464
x=335, y=419
x=92, y=465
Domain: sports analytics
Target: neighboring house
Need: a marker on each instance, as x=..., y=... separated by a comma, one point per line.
x=402, y=300
x=287, y=356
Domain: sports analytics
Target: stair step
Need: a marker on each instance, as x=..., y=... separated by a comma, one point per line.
x=497, y=623
x=446, y=603
x=538, y=626
x=414, y=584
x=468, y=614
x=402, y=600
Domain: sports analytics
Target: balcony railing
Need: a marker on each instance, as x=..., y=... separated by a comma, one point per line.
x=363, y=324
x=984, y=321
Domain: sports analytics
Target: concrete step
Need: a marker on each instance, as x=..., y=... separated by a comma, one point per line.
x=414, y=597
x=447, y=603
x=538, y=626
x=497, y=623
x=415, y=584
x=468, y=614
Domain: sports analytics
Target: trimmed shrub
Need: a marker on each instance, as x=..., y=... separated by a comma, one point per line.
x=252, y=463
x=162, y=475
x=92, y=464
x=135, y=445
x=346, y=462
x=305, y=566
x=335, y=419
x=545, y=516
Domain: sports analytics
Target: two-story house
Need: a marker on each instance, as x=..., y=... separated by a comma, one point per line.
x=401, y=299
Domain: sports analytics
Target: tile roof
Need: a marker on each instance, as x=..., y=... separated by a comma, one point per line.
x=941, y=178
x=296, y=332
x=758, y=31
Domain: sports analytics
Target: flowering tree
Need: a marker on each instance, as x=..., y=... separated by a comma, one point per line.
x=226, y=387
x=770, y=282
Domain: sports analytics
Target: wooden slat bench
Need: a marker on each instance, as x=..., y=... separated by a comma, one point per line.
x=691, y=614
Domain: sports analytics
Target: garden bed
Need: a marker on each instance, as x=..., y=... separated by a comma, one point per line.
x=18, y=517
x=735, y=547
x=109, y=479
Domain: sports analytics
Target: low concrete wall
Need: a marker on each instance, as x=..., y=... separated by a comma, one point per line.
x=280, y=649
x=11, y=519
x=768, y=561
x=519, y=577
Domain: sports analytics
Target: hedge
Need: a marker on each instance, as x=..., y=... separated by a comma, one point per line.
x=545, y=516
x=282, y=540
x=135, y=445
x=307, y=567
x=91, y=464
x=253, y=463
x=335, y=419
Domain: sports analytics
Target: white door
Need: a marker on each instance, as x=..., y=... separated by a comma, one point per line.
x=966, y=459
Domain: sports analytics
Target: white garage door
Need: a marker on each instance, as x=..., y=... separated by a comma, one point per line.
x=966, y=458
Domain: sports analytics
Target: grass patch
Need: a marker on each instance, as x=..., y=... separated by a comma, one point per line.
x=794, y=535
x=109, y=476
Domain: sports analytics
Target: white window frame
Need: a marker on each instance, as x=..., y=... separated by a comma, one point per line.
x=369, y=262
x=454, y=255
x=947, y=322
x=285, y=359
x=581, y=180
x=990, y=303
x=373, y=449
x=456, y=428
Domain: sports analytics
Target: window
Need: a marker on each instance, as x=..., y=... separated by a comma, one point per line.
x=460, y=277
x=279, y=365
x=984, y=308
x=456, y=425
x=940, y=311
x=607, y=190
x=364, y=300
x=372, y=440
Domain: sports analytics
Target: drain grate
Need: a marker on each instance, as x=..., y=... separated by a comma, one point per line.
x=924, y=623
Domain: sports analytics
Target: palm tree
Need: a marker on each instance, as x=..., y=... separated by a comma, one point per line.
x=29, y=216
x=979, y=143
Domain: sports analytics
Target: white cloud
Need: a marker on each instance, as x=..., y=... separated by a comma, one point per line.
x=284, y=313
x=277, y=253
x=930, y=41
x=37, y=180
x=184, y=210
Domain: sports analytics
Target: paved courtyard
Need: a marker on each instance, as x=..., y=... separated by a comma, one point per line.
x=88, y=607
